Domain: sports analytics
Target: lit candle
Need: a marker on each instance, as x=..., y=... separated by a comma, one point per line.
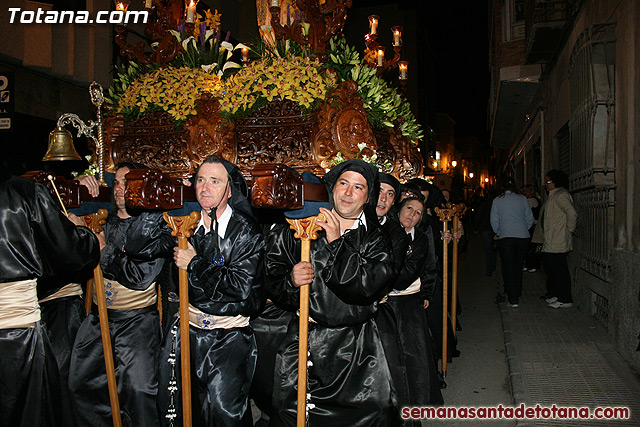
x=245, y=54
x=191, y=11
x=373, y=24
x=274, y=3
x=397, y=36
x=403, y=65
x=120, y=6
x=148, y=4
x=380, y=57
x=470, y=174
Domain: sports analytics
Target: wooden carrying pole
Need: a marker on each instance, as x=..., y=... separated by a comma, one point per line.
x=94, y=222
x=182, y=228
x=305, y=230
x=459, y=211
x=445, y=217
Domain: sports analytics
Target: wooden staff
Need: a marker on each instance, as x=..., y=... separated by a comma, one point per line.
x=88, y=292
x=95, y=222
x=306, y=230
x=458, y=212
x=445, y=216
x=182, y=228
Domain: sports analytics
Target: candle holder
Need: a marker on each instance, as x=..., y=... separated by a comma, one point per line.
x=122, y=5
x=373, y=24
x=245, y=55
x=190, y=11
x=371, y=41
x=157, y=31
x=397, y=35
x=322, y=21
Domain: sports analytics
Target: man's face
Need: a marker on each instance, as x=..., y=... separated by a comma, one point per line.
x=350, y=194
x=212, y=189
x=119, y=185
x=548, y=184
x=446, y=195
x=385, y=200
x=410, y=214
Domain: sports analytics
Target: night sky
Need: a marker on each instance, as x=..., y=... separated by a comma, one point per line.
x=458, y=37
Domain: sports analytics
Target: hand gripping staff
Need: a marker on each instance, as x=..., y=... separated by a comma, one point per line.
x=445, y=216
x=306, y=230
x=182, y=227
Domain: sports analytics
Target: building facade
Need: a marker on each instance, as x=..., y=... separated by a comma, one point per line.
x=565, y=96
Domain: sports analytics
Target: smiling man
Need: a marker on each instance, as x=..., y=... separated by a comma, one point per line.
x=351, y=265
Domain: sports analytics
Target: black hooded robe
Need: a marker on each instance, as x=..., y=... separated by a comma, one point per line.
x=222, y=360
x=36, y=241
x=349, y=381
x=135, y=253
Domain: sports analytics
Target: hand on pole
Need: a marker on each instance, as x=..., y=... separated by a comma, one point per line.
x=302, y=274
x=183, y=257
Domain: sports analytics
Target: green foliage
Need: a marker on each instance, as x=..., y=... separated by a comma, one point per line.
x=124, y=76
x=385, y=107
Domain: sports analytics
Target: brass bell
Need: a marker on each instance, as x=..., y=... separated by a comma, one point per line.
x=61, y=146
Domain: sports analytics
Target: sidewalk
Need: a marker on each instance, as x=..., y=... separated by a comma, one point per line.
x=564, y=357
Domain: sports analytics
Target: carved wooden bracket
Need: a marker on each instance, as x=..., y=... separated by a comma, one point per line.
x=278, y=186
x=154, y=189
x=95, y=221
x=72, y=193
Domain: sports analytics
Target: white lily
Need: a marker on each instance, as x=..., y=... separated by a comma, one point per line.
x=230, y=64
x=209, y=68
x=186, y=41
x=241, y=46
x=176, y=34
x=208, y=35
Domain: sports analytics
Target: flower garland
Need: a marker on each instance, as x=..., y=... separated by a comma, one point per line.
x=297, y=79
x=174, y=90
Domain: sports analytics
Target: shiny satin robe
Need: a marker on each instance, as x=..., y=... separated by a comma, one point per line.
x=36, y=241
x=405, y=333
x=135, y=253
x=349, y=381
x=222, y=360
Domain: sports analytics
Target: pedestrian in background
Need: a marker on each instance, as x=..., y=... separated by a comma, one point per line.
x=558, y=219
x=511, y=218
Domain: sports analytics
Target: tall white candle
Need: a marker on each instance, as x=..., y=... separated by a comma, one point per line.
x=380, y=57
x=191, y=11
x=148, y=4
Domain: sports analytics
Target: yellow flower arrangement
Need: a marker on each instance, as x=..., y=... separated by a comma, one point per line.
x=211, y=20
x=174, y=90
x=296, y=79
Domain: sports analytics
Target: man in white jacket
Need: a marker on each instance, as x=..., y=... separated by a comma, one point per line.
x=557, y=222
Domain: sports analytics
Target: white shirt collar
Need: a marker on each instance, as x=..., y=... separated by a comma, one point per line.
x=361, y=219
x=223, y=221
x=413, y=233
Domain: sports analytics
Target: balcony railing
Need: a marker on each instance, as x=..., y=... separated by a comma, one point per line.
x=544, y=25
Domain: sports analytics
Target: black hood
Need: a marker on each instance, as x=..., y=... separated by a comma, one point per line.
x=367, y=170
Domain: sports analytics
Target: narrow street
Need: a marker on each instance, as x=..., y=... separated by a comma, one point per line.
x=532, y=354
